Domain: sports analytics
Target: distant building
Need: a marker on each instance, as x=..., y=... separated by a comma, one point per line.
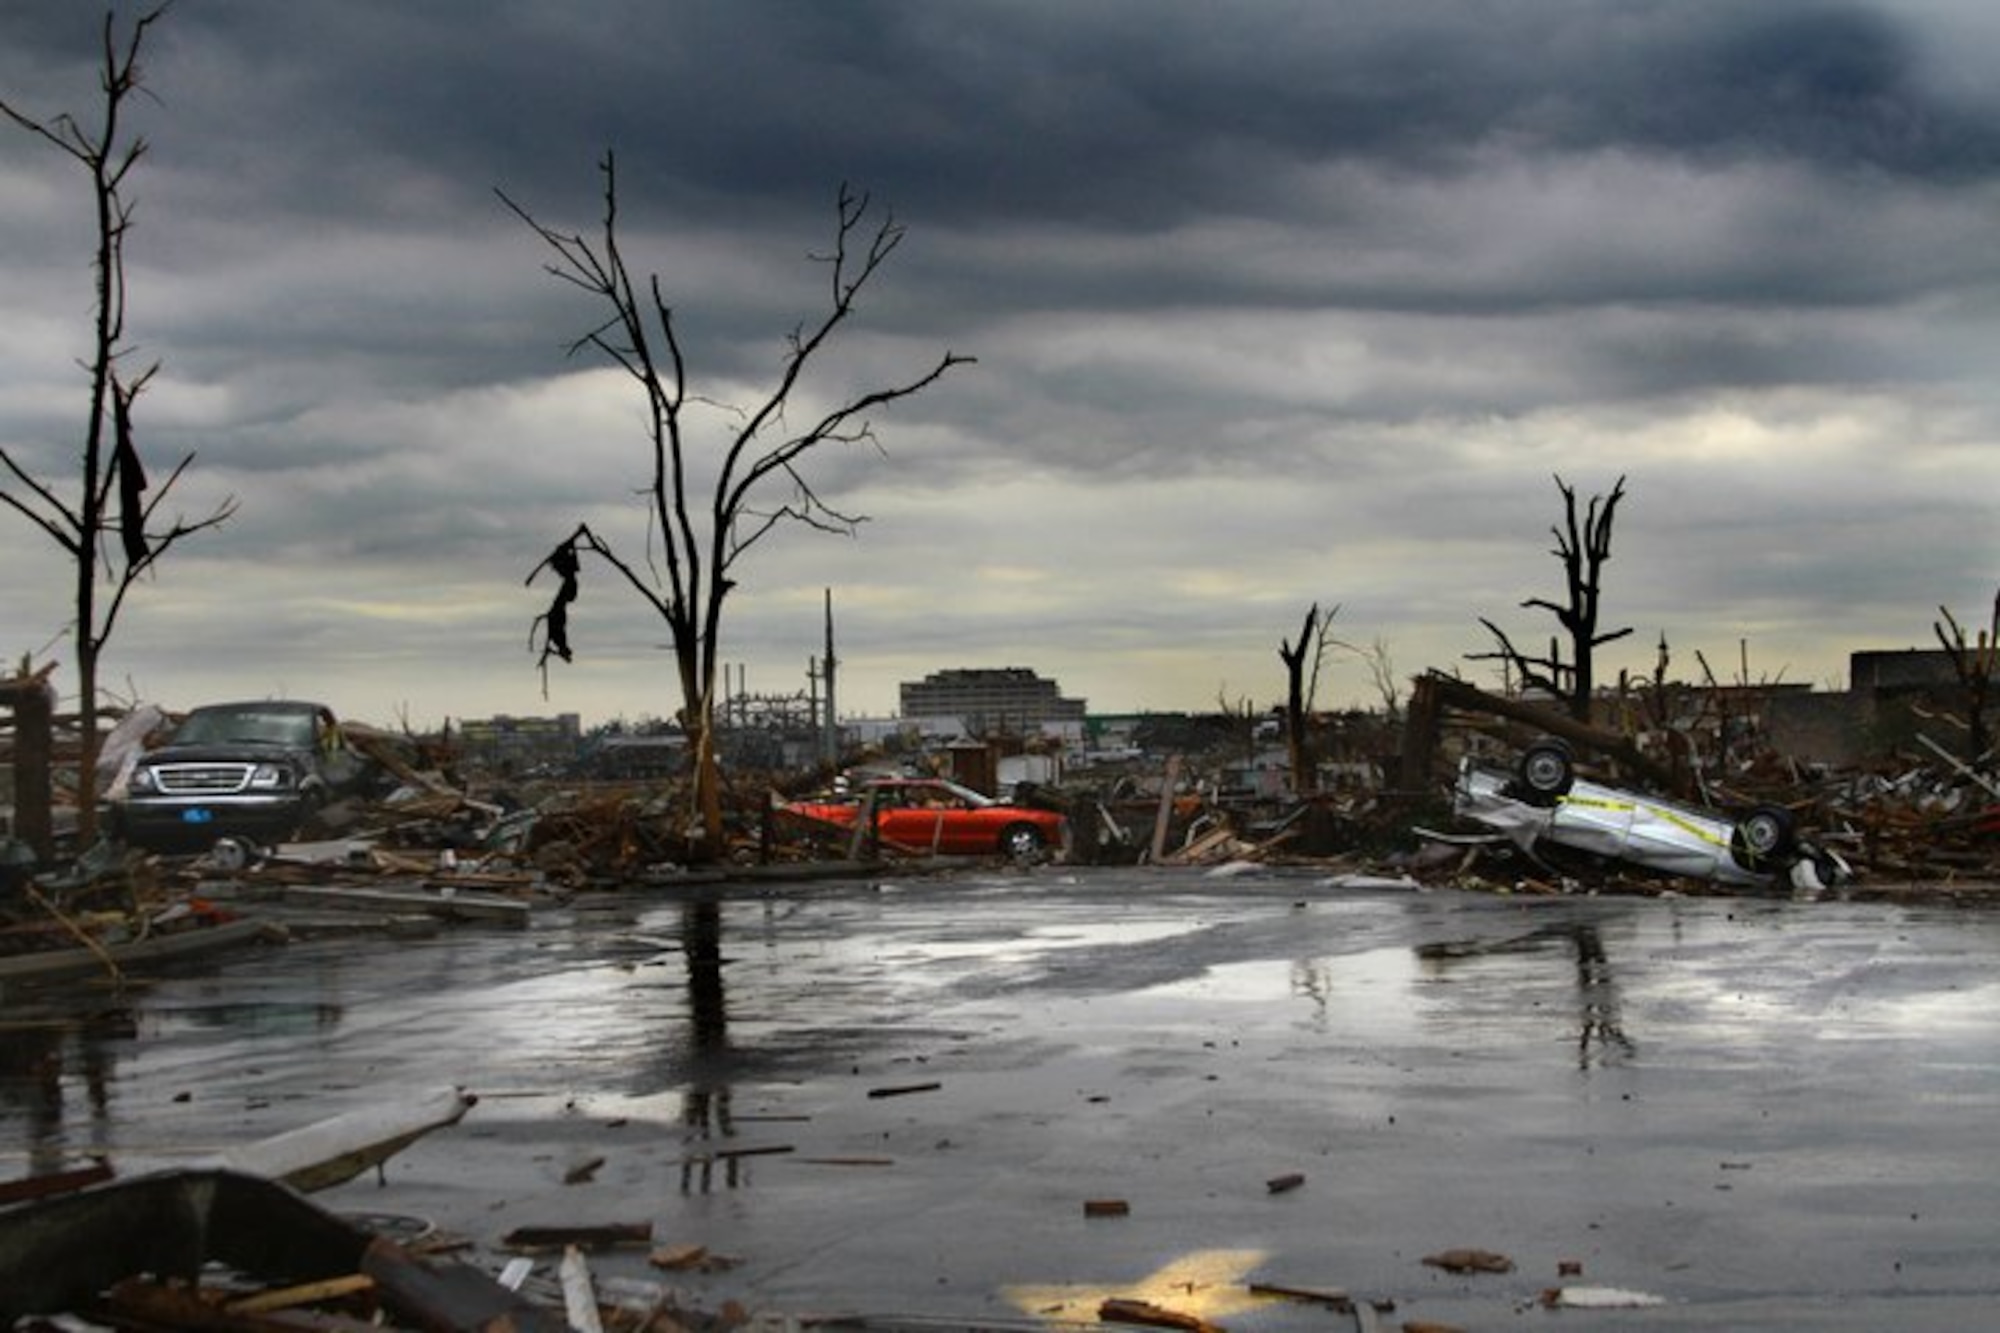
x=1896, y=700
x=1900, y=669
x=515, y=744
x=992, y=699
x=626, y=757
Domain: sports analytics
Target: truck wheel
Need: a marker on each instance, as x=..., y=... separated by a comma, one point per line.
x=1763, y=838
x=1547, y=771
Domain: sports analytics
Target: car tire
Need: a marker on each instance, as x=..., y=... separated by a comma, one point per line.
x=1547, y=772
x=1021, y=841
x=1764, y=838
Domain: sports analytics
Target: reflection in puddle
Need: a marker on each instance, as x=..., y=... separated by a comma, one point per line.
x=1599, y=1020
x=1083, y=933
x=265, y=1019
x=43, y=1065
x=1392, y=993
x=1371, y=993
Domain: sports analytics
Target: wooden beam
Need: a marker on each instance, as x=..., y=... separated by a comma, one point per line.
x=34, y=751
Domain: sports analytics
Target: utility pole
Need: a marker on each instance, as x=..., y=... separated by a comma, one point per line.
x=830, y=738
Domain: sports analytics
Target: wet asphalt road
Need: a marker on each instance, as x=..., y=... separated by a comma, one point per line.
x=897, y=1096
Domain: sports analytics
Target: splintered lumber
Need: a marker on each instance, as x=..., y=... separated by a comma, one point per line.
x=447, y=903
x=730, y=1154
x=305, y=1293
x=1470, y=1261
x=65, y=1253
x=146, y=1303
x=904, y=1089
x=1202, y=848
x=1334, y=1298
x=61, y=964
x=52, y=1183
x=691, y=1259
x=448, y=1295
x=333, y=1151
x=588, y=1237
x=579, y=1293
x=1166, y=810
x=1119, y=1310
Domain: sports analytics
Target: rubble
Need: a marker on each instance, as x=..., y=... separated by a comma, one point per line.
x=436, y=848
x=1469, y=1260
x=179, y=1249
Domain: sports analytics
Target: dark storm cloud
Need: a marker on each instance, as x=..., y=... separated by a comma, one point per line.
x=1266, y=297
x=1138, y=113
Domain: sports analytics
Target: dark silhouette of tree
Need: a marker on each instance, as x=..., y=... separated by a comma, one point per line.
x=1302, y=668
x=1583, y=546
x=1976, y=664
x=693, y=546
x=111, y=529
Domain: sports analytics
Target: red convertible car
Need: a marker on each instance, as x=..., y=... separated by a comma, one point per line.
x=935, y=816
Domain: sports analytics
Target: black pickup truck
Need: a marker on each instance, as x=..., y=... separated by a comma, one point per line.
x=255, y=771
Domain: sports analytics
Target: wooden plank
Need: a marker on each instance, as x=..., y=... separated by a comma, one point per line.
x=59, y=964
x=600, y=1235
x=1334, y=1298
x=53, y=1183
x=305, y=1293
x=1119, y=1310
x=332, y=1151
x=448, y=905
x=144, y=1303
x=1164, y=815
x=903, y=1089
x=579, y=1293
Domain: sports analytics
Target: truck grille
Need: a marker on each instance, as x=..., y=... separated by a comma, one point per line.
x=203, y=779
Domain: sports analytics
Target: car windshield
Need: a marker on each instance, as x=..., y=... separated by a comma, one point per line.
x=234, y=725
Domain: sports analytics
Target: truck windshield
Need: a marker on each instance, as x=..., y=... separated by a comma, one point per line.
x=206, y=726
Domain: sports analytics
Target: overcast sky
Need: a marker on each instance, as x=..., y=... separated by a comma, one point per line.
x=1273, y=303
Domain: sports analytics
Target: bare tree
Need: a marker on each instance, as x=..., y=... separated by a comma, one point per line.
x=692, y=551
x=1583, y=547
x=1976, y=663
x=1302, y=668
x=111, y=492
x=1382, y=675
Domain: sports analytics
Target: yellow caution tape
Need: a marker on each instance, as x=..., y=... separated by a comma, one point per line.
x=1678, y=820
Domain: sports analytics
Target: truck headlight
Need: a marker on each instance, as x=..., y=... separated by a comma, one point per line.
x=270, y=777
x=142, y=780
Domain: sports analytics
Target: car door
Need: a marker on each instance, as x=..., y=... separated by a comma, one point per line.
x=926, y=818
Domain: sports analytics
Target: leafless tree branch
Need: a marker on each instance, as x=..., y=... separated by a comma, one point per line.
x=700, y=546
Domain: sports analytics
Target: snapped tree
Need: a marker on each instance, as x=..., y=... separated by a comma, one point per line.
x=1583, y=545
x=1302, y=668
x=1977, y=664
x=111, y=529
x=695, y=542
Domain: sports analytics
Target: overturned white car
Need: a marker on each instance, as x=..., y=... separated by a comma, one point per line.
x=1541, y=799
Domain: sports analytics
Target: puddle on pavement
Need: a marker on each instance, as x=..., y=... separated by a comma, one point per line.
x=275, y=1018
x=1373, y=974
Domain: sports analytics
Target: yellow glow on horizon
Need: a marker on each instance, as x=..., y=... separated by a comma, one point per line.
x=1014, y=574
